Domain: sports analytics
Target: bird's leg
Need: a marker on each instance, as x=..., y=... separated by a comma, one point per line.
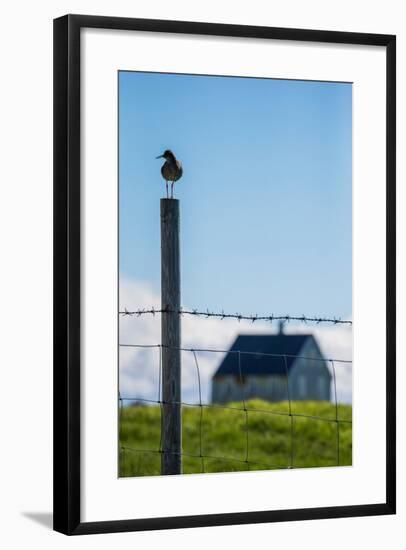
x=167, y=195
x=172, y=189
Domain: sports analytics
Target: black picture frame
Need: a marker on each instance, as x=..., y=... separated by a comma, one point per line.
x=67, y=288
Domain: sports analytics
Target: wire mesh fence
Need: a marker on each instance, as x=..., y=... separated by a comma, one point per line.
x=248, y=441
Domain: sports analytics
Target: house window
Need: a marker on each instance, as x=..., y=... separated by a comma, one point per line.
x=302, y=385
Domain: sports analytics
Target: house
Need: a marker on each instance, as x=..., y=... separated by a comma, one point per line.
x=272, y=367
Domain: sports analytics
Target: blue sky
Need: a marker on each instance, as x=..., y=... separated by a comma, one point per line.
x=266, y=203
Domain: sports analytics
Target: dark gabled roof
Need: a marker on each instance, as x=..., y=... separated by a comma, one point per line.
x=278, y=344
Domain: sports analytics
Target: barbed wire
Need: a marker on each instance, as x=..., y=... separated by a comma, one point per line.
x=238, y=316
x=246, y=408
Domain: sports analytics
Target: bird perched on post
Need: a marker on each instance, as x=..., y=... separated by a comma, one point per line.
x=171, y=170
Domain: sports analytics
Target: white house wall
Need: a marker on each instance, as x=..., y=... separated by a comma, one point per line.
x=229, y=388
x=309, y=378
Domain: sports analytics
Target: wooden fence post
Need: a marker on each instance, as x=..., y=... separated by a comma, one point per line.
x=171, y=458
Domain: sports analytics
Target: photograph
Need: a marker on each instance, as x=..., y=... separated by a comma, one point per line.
x=235, y=340
x=225, y=273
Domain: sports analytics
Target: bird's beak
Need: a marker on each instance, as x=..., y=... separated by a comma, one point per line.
x=160, y=157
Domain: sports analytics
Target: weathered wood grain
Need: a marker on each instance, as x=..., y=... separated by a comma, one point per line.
x=171, y=462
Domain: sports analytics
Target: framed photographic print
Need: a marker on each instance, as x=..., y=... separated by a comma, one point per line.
x=224, y=270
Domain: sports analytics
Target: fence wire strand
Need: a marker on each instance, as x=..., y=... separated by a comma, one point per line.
x=230, y=351
x=285, y=361
x=246, y=409
x=160, y=399
x=201, y=410
x=336, y=409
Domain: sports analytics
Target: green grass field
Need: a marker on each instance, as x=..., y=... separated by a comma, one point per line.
x=224, y=438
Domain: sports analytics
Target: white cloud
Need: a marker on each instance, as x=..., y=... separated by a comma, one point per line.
x=139, y=367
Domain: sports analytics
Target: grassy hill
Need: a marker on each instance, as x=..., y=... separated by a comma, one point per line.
x=224, y=437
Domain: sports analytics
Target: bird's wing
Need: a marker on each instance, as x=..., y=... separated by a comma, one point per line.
x=180, y=169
